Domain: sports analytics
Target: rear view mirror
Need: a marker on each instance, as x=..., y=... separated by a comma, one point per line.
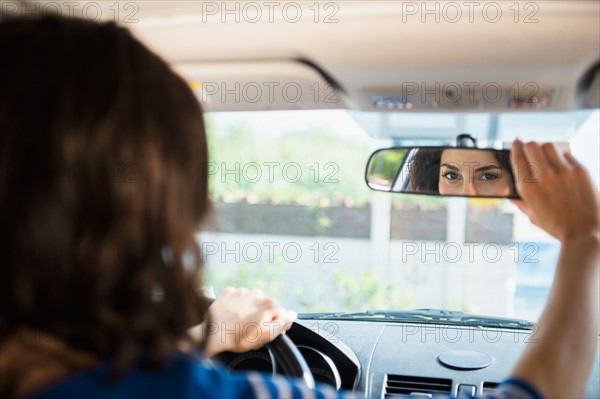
x=445, y=171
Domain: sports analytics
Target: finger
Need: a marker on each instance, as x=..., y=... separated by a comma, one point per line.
x=523, y=207
x=267, y=303
x=554, y=157
x=585, y=180
x=287, y=315
x=571, y=159
x=517, y=155
x=288, y=326
x=519, y=161
x=272, y=309
x=257, y=294
x=534, y=153
x=291, y=316
x=224, y=297
x=286, y=320
x=229, y=295
x=228, y=291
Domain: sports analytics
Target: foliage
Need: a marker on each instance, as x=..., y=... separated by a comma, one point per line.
x=306, y=166
x=267, y=277
x=246, y=165
x=367, y=292
x=340, y=292
x=385, y=165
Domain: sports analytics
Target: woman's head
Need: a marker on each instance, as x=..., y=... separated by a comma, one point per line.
x=103, y=174
x=470, y=172
x=457, y=171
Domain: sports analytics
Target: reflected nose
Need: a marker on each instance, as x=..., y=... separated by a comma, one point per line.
x=470, y=189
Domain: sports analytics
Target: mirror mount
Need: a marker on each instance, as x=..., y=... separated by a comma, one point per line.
x=465, y=140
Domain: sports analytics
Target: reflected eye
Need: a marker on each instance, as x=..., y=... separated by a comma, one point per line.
x=489, y=176
x=452, y=176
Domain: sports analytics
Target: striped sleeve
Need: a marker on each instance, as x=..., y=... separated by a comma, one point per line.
x=215, y=383
x=268, y=387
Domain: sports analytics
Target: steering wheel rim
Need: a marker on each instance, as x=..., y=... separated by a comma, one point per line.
x=289, y=358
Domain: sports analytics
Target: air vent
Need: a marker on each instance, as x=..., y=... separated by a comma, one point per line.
x=489, y=388
x=407, y=385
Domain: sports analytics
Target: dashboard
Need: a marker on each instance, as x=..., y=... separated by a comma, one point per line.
x=383, y=359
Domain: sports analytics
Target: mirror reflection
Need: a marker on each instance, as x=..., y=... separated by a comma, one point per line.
x=446, y=171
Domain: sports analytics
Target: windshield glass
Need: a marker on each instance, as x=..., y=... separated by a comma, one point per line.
x=292, y=215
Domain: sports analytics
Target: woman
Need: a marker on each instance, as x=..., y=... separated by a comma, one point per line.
x=103, y=174
x=104, y=155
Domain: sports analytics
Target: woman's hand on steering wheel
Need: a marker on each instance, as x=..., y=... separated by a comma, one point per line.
x=242, y=320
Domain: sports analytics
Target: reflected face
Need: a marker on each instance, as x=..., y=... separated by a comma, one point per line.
x=473, y=173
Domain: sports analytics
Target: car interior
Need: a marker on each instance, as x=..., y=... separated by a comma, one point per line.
x=315, y=111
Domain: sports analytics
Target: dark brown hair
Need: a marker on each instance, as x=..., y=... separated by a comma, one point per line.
x=425, y=170
x=103, y=181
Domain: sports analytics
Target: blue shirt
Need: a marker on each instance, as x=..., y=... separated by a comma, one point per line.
x=186, y=377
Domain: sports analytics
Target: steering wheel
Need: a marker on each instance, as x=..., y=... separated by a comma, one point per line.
x=289, y=358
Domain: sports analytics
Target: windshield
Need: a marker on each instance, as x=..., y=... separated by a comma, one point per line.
x=293, y=216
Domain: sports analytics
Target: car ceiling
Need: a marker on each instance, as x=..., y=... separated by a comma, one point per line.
x=371, y=49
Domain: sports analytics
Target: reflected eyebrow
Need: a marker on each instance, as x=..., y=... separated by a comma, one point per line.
x=488, y=167
x=481, y=169
x=450, y=166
